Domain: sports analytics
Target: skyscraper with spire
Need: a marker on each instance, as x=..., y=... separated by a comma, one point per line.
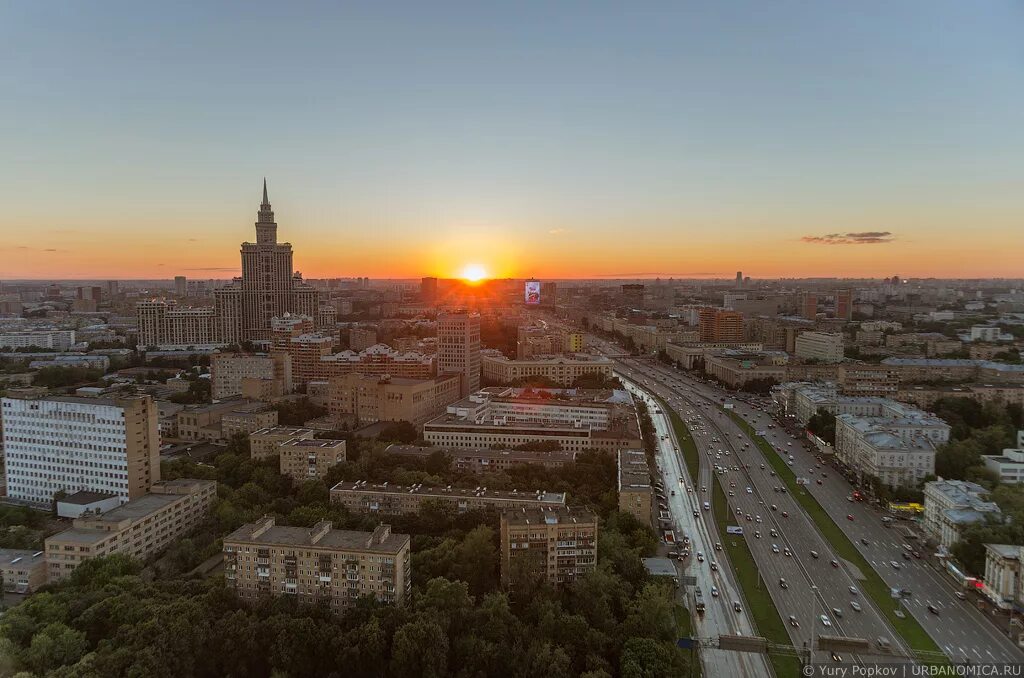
x=267, y=288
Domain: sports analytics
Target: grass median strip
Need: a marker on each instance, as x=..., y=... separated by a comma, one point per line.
x=686, y=443
x=908, y=628
x=760, y=606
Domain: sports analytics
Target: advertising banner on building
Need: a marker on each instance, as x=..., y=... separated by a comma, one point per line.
x=532, y=292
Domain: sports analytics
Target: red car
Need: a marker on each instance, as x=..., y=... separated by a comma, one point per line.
x=849, y=516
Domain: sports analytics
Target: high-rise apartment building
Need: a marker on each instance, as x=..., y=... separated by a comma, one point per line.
x=361, y=338
x=844, y=304
x=318, y=564
x=555, y=545
x=180, y=285
x=720, y=325
x=809, y=306
x=428, y=291
x=458, y=347
x=69, y=443
x=268, y=287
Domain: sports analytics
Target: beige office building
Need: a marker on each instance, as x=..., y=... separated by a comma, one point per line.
x=361, y=338
x=265, y=443
x=305, y=459
x=826, y=347
x=383, y=398
x=557, y=546
x=563, y=370
x=23, y=571
x=318, y=565
x=636, y=496
x=388, y=499
x=139, y=529
x=229, y=372
x=458, y=347
x=163, y=324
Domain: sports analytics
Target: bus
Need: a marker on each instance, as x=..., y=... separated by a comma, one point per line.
x=698, y=601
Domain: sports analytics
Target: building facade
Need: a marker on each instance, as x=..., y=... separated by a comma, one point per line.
x=458, y=347
x=265, y=443
x=826, y=347
x=556, y=546
x=563, y=370
x=636, y=496
x=70, y=443
x=140, y=528
x=165, y=325
x=268, y=287
x=384, y=398
x=950, y=505
x=388, y=499
x=228, y=372
x=23, y=571
x=305, y=459
x=318, y=565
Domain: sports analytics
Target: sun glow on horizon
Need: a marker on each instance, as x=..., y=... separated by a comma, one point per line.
x=473, y=273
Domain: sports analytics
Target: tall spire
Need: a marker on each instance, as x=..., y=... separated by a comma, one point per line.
x=266, y=201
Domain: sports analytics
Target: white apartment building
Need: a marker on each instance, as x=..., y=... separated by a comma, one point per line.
x=826, y=347
x=1008, y=466
x=949, y=505
x=60, y=340
x=898, y=454
x=68, y=443
x=458, y=347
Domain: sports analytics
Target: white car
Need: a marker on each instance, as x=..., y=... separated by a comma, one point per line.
x=775, y=548
x=825, y=621
x=750, y=491
x=714, y=591
x=853, y=590
x=855, y=605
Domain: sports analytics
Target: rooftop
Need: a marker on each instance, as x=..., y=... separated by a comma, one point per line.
x=560, y=516
x=539, y=496
x=84, y=497
x=378, y=541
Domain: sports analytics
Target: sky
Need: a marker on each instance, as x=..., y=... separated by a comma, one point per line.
x=568, y=139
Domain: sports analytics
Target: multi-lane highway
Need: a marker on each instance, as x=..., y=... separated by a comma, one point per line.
x=721, y=617
x=816, y=597
x=957, y=627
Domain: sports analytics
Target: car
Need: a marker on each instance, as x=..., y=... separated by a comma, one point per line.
x=852, y=590
x=849, y=498
x=748, y=517
x=757, y=519
x=814, y=554
x=787, y=552
x=774, y=507
x=731, y=493
x=834, y=563
x=714, y=566
x=762, y=467
x=785, y=514
x=836, y=657
x=775, y=548
x=836, y=612
x=673, y=493
x=865, y=541
x=739, y=511
x=714, y=591
x=773, y=473
x=934, y=610
x=700, y=557
x=908, y=547
x=849, y=516
x=793, y=622
x=782, y=583
x=684, y=555
x=819, y=482
x=894, y=564
x=736, y=606
x=825, y=621
x=750, y=491
x=855, y=605
x=718, y=546
x=696, y=513
x=906, y=556
x=916, y=554
x=773, y=532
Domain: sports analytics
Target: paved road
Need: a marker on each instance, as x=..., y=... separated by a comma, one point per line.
x=720, y=617
x=959, y=629
x=815, y=586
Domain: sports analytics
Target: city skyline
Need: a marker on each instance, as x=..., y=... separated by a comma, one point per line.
x=834, y=143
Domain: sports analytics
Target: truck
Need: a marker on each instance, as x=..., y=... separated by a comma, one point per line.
x=698, y=601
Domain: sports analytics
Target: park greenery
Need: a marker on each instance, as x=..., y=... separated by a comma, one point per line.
x=115, y=616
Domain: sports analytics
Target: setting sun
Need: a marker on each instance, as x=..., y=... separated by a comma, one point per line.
x=474, y=273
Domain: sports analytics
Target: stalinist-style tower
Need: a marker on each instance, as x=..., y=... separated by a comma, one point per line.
x=267, y=288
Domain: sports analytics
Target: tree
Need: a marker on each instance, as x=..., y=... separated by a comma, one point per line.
x=420, y=648
x=823, y=424
x=55, y=645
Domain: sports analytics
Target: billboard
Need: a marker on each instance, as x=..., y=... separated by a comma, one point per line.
x=532, y=291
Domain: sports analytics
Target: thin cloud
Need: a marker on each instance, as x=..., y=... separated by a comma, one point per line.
x=862, y=238
x=556, y=231
x=50, y=249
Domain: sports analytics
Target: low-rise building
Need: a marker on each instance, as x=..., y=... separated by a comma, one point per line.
x=485, y=460
x=60, y=340
x=265, y=442
x=563, y=370
x=317, y=565
x=388, y=499
x=139, y=529
x=23, y=571
x=305, y=459
x=86, y=502
x=636, y=496
x=206, y=422
x=1008, y=466
x=950, y=505
x=1003, y=581
x=373, y=398
x=555, y=546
